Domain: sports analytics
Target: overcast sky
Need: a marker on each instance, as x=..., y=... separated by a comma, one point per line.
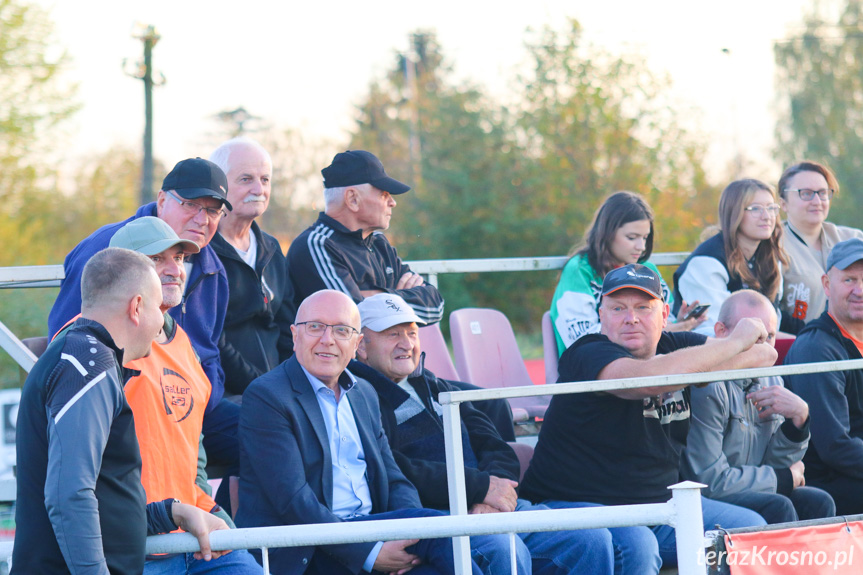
x=305, y=65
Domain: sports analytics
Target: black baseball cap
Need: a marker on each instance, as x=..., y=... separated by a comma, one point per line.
x=355, y=167
x=635, y=276
x=198, y=178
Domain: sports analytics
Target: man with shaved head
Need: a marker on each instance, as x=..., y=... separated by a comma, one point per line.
x=80, y=505
x=747, y=437
x=312, y=450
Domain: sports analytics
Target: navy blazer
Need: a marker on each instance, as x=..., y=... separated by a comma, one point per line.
x=286, y=473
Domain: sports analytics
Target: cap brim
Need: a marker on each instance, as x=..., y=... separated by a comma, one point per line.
x=382, y=323
x=639, y=288
x=159, y=246
x=193, y=193
x=390, y=185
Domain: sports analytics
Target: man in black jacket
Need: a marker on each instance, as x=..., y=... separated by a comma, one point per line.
x=412, y=418
x=834, y=460
x=80, y=504
x=257, y=334
x=346, y=250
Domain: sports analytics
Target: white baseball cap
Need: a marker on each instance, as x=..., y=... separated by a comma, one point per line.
x=384, y=310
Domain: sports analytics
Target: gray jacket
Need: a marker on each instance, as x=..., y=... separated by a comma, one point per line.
x=731, y=449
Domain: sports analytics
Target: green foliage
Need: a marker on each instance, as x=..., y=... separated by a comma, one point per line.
x=25, y=313
x=819, y=83
x=507, y=181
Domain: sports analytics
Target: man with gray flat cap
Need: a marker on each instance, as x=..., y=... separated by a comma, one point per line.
x=834, y=460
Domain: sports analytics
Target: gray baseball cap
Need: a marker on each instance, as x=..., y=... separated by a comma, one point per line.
x=150, y=236
x=845, y=253
x=384, y=310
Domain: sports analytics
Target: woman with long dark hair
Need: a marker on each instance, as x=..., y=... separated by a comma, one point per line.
x=805, y=191
x=746, y=253
x=621, y=233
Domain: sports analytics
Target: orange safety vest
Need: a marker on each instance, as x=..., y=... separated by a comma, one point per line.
x=168, y=401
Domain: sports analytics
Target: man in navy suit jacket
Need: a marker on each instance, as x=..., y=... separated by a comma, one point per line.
x=312, y=450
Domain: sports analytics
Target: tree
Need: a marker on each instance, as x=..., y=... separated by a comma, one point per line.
x=33, y=105
x=523, y=180
x=596, y=123
x=819, y=84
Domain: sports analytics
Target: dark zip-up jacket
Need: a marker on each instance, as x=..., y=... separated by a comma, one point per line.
x=257, y=332
x=418, y=447
x=80, y=505
x=330, y=256
x=835, y=401
x=201, y=315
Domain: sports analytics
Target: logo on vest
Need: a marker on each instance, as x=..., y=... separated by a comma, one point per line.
x=176, y=395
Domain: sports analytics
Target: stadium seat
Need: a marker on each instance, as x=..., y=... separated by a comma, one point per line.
x=524, y=452
x=37, y=345
x=438, y=360
x=783, y=344
x=487, y=355
x=549, y=349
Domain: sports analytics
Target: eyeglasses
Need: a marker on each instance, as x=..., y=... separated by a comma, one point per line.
x=806, y=194
x=318, y=329
x=194, y=208
x=759, y=210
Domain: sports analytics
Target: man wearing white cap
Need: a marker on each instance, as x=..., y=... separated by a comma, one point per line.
x=412, y=418
x=834, y=460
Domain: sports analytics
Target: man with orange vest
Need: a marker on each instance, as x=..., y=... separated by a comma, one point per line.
x=168, y=399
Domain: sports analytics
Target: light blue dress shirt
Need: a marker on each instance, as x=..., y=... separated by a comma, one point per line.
x=351, y=494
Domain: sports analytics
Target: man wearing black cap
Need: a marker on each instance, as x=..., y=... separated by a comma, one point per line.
x=834, y=460
x=192, y=200
x=341, y=251
x=624, y=446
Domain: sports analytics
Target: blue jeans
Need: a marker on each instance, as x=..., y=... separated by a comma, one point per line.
x=803, y=503
x=587, y=551
x=436, y=554
x=715, y=513
x=635, y=548
x=238, y=562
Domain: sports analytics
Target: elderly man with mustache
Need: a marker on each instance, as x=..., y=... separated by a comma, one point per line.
x=257, y=334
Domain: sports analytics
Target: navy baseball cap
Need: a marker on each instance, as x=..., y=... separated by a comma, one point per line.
x=355, y=167
x=635, y=276
x=198, y=178
x=845, y=253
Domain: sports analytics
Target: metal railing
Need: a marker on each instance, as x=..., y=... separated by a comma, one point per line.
x=683, y=511
x=50, y=276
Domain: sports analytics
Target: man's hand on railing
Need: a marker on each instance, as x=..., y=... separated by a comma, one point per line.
x=501, y=494
x=393, y=558
x=200, y=524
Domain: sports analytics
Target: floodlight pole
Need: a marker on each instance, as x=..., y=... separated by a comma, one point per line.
x=150, y=37
x=144, y=71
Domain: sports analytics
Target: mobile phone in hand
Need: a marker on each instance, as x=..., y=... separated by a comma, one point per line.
x=697, y=311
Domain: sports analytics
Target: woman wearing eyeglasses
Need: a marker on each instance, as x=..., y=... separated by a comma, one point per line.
x=805, y=191
x=746, y=253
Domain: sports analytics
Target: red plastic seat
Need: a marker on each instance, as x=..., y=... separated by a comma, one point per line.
x=487, y=355
x=438, y=360
x=549, y=349
x=524, y=452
